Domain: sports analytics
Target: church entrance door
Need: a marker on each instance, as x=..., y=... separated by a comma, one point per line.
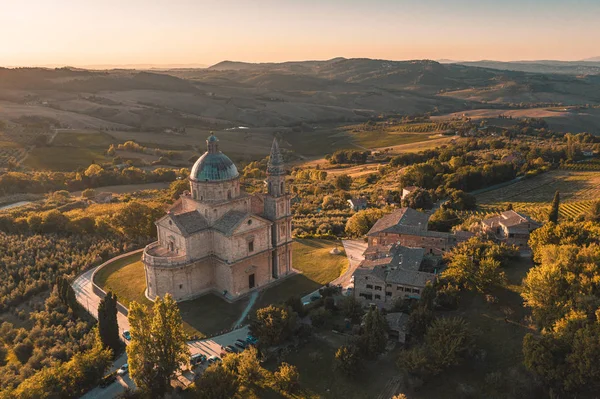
x=251, y=281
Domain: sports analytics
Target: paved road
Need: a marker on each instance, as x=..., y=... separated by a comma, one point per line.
x=354, y=251
x=89, y=300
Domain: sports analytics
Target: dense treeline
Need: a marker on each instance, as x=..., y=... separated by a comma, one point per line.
x=563, y=293
x=94, y=176
x=42, y=247
x=56, y=334
x=348, y=156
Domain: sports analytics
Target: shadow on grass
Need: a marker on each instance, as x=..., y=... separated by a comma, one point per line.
x=298, y=285
x=209, y=314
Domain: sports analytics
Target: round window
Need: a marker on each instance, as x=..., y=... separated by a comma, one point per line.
x=249, y=221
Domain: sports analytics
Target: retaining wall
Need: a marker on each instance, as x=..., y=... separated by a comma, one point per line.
x=99, y=291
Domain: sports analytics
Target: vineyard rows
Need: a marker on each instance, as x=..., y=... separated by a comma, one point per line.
x=537, y=211
x=584, y=166
x=8, y=155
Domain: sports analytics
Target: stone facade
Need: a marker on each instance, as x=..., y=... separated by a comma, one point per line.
x=510, y=227
x=217, y=238
x=408, y=227
x=396, y=274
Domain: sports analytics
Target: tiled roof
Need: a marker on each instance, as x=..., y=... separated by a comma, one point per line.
x=401, y=267
x=509, y=219
x=360, y=201
x=397, y=221
x=229, y=221
x=189, y=222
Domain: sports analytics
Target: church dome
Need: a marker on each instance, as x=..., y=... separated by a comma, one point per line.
x=213, y=165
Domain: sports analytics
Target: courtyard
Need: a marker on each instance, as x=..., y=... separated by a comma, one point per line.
x=209, y=315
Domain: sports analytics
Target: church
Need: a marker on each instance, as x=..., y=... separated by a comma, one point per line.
x=218, y=238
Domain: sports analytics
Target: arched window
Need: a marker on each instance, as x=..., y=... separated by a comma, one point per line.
x=281, y=188
x=228, y=194
x=270, y=189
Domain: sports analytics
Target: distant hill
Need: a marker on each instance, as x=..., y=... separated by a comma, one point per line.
x=289, y=94
x=593, y=59
x=585, y=67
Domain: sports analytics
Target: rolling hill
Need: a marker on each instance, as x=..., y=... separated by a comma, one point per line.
x=287, y=94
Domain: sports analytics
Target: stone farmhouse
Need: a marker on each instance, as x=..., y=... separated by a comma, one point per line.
x=408, y=227
x=510, y=227
x=217, y=238
x=357, y=204
x=396, y=275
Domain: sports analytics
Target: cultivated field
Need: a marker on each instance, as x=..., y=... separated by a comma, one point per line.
x=578, y=191
x=565, y=119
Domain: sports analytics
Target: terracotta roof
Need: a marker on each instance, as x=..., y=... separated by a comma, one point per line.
x=509, y=219
x=397, y=221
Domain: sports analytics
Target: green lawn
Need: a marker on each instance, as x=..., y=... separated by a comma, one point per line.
x=318, y=267
x=83, y=140
x=125, y=277
x=202, y=316
x=382, y=138
x=64, y=158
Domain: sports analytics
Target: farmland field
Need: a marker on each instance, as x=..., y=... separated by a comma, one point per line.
x=578, y=191
x=63, y=158
x=572, y=185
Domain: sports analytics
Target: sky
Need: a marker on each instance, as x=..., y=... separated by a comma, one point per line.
x=204, y=32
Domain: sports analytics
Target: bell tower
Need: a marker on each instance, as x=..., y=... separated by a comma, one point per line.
x=277, y=209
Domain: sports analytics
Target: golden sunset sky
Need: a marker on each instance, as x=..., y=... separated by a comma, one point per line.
x=89, y=32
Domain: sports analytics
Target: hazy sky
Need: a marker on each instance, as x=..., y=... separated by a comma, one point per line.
x=92, y=32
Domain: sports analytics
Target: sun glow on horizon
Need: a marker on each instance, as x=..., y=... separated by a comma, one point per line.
x=181, y=32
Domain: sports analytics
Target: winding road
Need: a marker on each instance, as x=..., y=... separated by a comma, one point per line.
x=84, y=292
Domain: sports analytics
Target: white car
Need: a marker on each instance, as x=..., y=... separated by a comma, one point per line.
x=123, y=370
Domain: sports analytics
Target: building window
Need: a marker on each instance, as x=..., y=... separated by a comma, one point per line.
x=228, y=194
x=369, y=286
x=249, y=222
x=281, y=188
x=250, y=246
x=388, y=285
x=388, y=294
x=416, y=290
x=180, y=286
x=377, y=296
x=366, y=296
x=400, y=288
x=378, y=288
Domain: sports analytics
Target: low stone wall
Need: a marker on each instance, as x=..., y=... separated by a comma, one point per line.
x=99, y=291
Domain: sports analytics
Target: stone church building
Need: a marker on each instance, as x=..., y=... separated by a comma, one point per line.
x=218, y=238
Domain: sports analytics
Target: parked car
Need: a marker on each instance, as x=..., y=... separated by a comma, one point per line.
x=197, y=359
x=315, y=298
x=109, y=379
x=231, y=349
x=123, y=370
x=251, y=340
x=127, y=335
x=213, y=359
x=241, y=344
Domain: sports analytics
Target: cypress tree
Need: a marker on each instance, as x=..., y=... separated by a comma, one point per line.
x=108, y=327
x=553, y=216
